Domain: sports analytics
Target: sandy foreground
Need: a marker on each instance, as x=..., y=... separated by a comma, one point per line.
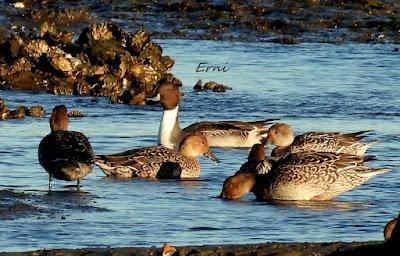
x=292, y=249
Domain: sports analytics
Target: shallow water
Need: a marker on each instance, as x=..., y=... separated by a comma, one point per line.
x=311, y=86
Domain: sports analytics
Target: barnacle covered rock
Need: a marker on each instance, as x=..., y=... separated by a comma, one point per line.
x=18, y=113
x=211, y=85
x=3, y=108
x=21, y=64
x=37, y=48
x=62, y=61
x=75, y=113
x=62, y=86
x=35, y=111
x=104, y=61
x=24, y=81
x=81, y=87
x=138, y=41
x=101, y=31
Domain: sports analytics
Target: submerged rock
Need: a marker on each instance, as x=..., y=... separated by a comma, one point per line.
x=75, y=113
x=104, y=61
x=20, y=112
x=35, y=111
x=211, y=85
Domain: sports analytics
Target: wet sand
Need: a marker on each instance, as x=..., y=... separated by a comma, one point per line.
x=276, y=249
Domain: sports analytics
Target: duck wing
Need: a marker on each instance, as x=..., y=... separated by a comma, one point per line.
x=143, y=162
x=65, y=148
x=228, y=126
x=256, y=167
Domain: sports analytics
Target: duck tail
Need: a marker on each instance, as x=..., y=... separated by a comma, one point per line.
x=270, y=121
x=351, y=138
x=371, y=172
x=100, y=158
x=357, y=134
x=362, y=148
x=264, y=122
x=368, y=158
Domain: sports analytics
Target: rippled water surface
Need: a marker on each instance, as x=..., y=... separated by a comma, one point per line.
x=311, y=86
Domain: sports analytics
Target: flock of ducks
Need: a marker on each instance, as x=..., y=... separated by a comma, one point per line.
x=311, y=166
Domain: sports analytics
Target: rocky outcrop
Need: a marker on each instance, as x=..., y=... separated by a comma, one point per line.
x=103, y=61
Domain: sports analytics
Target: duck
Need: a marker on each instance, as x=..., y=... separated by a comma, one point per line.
x=65, y=155
x=303, y=176
x=256, y=161
x=221, y=134
x=158, y=161
x=282, y=136
x=390, y=226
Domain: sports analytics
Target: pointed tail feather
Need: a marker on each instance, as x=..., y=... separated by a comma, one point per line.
x=362, y=148
x=357, y=134
x=369, y=158
x=372, y=142
x=371, y=172
x=261, y=123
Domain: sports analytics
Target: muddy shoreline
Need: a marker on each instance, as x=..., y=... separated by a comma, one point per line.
x=287, y=22
x=292, y=249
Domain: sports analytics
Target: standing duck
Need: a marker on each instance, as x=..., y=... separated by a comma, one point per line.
x=283, y=137
x=224, y=134
x=303, y=176
x=158, y=161
x=65, y=155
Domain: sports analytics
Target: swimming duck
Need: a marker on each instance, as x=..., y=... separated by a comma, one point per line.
x=219, y=133
x=65, y=155
x=158, y=161
x=282, y=136
x=303, y=176
x=256, y=162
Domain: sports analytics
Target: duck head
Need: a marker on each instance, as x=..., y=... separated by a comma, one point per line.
x=237, y=185
x=59, y=119
x=195, y=145
x=389, y=228
x=168, y=96
x=257, y=153
x=280, y=135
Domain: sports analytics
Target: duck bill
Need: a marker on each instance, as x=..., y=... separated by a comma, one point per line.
x=222, y=195
x=155, y=98
x=265, y=142
x=211, y=156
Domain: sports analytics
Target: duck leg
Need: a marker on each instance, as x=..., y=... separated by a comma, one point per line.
x=78, y=186
x=49, y=182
